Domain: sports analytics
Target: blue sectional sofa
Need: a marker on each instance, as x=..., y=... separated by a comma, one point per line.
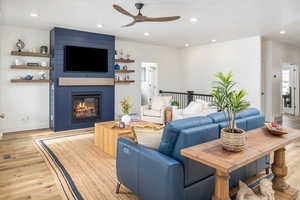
x=166, y=175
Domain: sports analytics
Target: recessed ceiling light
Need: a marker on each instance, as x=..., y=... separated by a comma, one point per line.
x=282, y=32
x=99, y=25
x=34, y=15
x=186, y=45
x=146, y=34
x=213, y=40
x=193, y=19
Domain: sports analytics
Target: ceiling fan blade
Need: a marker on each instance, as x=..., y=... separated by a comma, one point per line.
x=161, y=19
x=121, y=10
x=131, y=24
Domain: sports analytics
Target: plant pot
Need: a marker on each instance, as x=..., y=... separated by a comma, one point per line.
x=126, y=119
x=174, y=107
x=234, y=142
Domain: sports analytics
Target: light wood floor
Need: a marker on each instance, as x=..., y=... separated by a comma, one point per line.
x=26, y=176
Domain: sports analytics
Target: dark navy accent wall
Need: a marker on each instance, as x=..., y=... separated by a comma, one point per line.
x=61, y=96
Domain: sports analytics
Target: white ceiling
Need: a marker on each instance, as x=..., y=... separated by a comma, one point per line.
x=217, y=19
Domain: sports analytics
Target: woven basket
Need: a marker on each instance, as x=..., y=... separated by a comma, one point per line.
x=235, y=142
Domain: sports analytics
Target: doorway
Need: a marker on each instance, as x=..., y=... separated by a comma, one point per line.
x=290, y=89
x=149, y=82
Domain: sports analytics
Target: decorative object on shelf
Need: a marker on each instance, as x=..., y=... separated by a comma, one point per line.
x=28, y=77
x=20, y=45
x=44, y=49
x=265, y=188
x=127, y=77
x=42, y=75
x=33, y=64
x=18, y=62
x=125, y=67
x=117, y=67
x=125, y=108
x=34, y=50
x=276, y=129
x=230, y=102
x=128, y=56
x=121, y=53
x=44, y=64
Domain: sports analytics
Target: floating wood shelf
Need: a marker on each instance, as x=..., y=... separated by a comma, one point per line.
x=124, y=81
x=124, y=71
x=123, y=60
x=32, y=54
x=30, y=81
x=30, y=67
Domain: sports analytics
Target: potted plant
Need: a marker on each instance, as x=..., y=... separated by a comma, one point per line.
x=125, y=108
x=174, y=104
x=230, y=101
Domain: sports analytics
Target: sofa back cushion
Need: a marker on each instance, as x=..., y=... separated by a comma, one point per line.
x=173, y=129
x=194, y=171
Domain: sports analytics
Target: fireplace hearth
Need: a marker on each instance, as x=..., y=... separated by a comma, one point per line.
x=86, y=107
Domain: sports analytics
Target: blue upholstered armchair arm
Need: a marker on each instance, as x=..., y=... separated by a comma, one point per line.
x=148, y=173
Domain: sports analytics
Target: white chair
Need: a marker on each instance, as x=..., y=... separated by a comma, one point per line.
x=156, y=111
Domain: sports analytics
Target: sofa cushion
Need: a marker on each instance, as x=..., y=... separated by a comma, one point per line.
x=221, y=117
x=249, y=112
x=152, y=113
x=173, y=129
x=254, y=122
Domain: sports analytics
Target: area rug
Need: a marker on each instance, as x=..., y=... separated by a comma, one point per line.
x=82, y=171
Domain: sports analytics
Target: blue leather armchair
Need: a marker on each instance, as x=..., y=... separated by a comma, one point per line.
x=166, y=175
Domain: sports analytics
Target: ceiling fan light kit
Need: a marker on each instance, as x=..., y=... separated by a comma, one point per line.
x=140, y=17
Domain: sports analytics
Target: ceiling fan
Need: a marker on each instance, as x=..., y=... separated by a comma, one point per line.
x=141, y=18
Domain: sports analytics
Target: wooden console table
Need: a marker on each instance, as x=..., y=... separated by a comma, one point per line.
x=259, y=143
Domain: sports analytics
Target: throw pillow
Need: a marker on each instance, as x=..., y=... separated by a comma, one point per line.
x=189, y=108
x=148, y=137
x=204, y=103
x=193, y=108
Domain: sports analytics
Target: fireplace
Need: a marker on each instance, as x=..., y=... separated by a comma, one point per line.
x=86, y=107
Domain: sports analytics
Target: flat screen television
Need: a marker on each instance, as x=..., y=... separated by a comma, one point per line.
x=83, y=59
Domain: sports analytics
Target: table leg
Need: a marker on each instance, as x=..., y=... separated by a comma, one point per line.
x=222, y=186
x=280, y=171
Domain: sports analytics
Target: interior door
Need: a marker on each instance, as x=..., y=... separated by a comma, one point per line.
x=290, y=89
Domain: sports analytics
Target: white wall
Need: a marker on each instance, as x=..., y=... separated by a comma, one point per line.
x=169, y=70
x=275, y=54
x=242, y=57
x=26, y=105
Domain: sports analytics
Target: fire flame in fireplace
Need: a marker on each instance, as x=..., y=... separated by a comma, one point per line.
x=84, y=110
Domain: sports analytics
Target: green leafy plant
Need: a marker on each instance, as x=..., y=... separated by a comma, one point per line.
x=228, y=99
x=174, y=103
x=126, y=105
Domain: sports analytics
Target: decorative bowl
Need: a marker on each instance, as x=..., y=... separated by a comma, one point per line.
x=276, y=131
